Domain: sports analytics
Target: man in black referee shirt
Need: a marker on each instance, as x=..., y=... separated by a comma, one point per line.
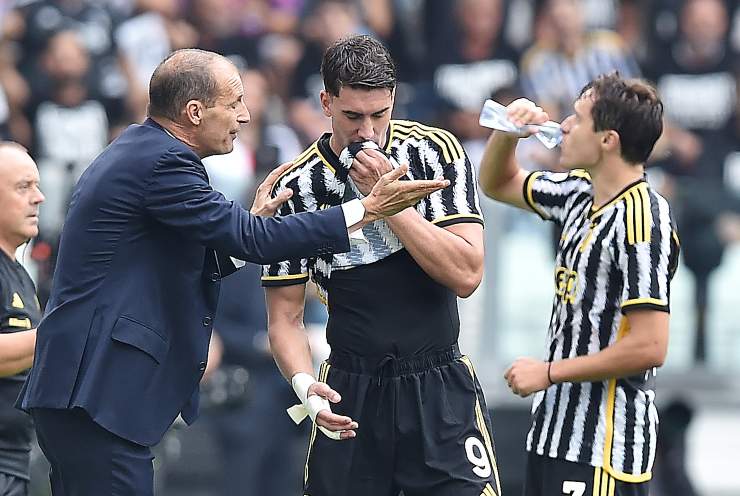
x=408, y=412
x=20, y=198
x=594, y=421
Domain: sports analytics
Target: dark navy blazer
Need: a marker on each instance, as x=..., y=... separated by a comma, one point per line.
x=144, y=247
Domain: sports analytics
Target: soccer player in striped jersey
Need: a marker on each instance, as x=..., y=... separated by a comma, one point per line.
x=408, y=412
x=594, y=419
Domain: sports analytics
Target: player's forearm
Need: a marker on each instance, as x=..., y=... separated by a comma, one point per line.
x=16, y=352
x=498, y=165
x=446, y=257
x=626, y=357
x=290, y=349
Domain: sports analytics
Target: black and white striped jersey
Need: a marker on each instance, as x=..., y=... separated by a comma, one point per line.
x=612, y=259
x=319, y=180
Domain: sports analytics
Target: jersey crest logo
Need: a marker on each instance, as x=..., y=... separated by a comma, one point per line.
x=17, y=302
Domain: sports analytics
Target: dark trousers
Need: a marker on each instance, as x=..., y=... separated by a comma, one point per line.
x=87, y=460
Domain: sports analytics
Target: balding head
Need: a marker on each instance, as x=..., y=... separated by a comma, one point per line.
x=12, y=153
x=185, y=75
x=20, y=197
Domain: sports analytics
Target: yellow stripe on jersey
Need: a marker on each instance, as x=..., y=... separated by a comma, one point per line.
x=612, y=486
x=457, y=216
x=586, y=239
x=529, y=199
x=638, y=216
x=299, y=161
x=448, y=136
x=610, y=402
x=640, y=301
x=451, y=148
x=481, y=424
x=647, y=215
x=581, y=173
x=629, y=211
x=323, y=374
x=597, y=481
x=24, y=323
x=595, y=212
x=488, y=491
x=675, y=237
x=604, y=482
x=404, y=134
x=284, y=277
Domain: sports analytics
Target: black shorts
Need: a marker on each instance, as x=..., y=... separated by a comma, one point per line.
x=423, y=429
x=10, y=485
x=553, y=477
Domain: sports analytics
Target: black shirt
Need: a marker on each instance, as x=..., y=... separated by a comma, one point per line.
x=19, y=312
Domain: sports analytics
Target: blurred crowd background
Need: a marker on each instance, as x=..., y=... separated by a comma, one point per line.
x=74, y=73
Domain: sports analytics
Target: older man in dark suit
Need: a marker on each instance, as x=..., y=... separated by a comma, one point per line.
x=146, y=242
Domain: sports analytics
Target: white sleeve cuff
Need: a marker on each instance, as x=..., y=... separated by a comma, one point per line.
x=353, y=211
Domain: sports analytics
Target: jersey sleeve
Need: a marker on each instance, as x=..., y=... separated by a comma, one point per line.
x=550, y=194
x=459, y=202
x=647, y=248
x=295, y=271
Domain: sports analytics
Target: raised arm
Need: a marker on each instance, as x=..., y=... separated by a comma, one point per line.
x=501, y=178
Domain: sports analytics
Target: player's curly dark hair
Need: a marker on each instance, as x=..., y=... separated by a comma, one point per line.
x=632, y=108
x=358, y=62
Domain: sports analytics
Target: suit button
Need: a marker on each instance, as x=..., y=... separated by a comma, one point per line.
x=215, y=277
x=207, y=321
x=202, y=366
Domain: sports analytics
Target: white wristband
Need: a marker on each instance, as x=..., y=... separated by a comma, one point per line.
x=301, y=382
x=310, y=405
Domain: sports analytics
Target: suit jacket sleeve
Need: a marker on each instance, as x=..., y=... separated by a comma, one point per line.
x=178, y=195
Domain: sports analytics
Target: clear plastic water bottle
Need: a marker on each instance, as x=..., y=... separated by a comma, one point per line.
x=493, y=115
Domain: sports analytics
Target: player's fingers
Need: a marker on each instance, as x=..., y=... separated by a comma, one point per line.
x=275, y=174
x=325, y=391
x=347, y=435
x=282, y=197
x=335, y=422
x=394, y=174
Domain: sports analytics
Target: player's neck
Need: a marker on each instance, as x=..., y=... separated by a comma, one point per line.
x=8, y=247
x=611, y=177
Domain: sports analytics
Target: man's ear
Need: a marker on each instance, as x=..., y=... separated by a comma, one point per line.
x=325, y=98
x=611, y=140
x=194, y=112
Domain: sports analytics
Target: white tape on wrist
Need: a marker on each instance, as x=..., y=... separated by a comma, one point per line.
x=310, y=405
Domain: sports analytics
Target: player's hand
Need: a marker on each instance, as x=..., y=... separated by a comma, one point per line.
x=522, y=112
x=264, y=204
x=526, y=376
x=367, y=168
x=328, y=419
x=389, y=195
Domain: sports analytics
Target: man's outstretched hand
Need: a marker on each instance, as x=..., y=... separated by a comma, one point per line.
x=263, y=204
x=390, y=195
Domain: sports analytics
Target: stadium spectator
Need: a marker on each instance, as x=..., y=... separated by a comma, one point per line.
x=328, y=21
x=472, y=63
x=20, y=313
x=594, y=419
x=393, y=320
x=701, y=136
